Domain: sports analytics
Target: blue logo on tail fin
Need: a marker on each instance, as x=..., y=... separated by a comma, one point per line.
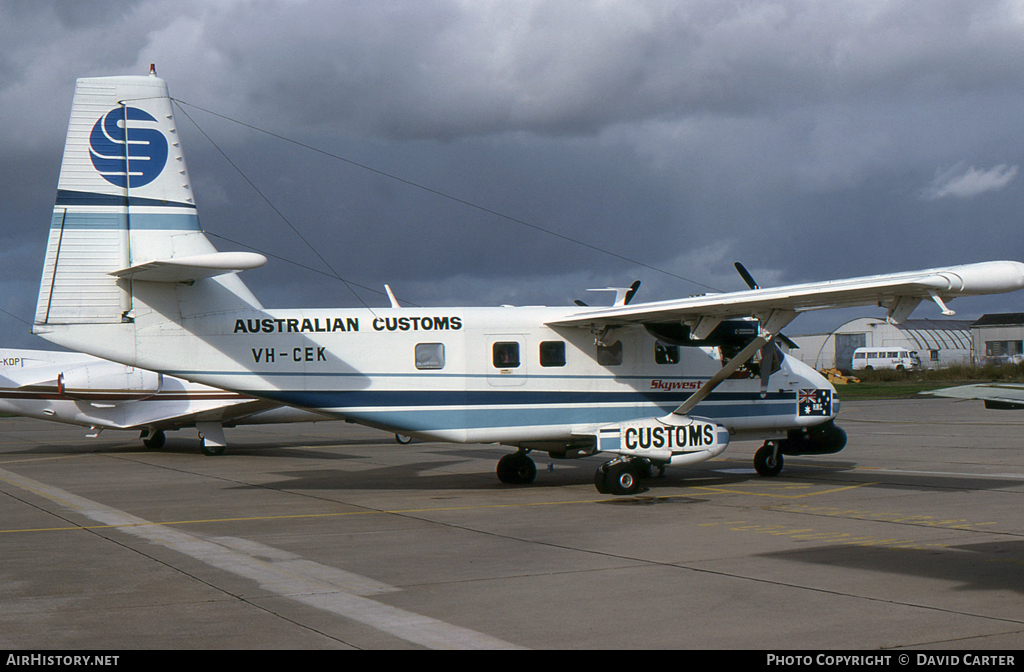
x=146, y=153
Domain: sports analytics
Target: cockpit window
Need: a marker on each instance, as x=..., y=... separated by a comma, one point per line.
x=666, y=354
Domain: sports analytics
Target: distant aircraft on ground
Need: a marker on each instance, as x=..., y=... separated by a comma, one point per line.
x=80, y=389
x=130, y=276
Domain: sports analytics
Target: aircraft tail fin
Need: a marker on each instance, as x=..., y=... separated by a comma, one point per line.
x=125, y=217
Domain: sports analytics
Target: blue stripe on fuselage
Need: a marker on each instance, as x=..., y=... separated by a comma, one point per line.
x=447, y=410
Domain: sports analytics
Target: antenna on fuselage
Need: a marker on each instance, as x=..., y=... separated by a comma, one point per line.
x=391, y=296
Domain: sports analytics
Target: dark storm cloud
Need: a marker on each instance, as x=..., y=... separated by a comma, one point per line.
x=808, y=139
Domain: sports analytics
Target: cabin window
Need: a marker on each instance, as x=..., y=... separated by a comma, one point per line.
x=552, y=353
x=430, y=355
x=506, y=355
x=894, y=354
x=858, y=355
x=610, y=355
x=666, y=354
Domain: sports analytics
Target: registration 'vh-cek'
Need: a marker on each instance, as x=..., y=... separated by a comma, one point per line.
x=130, y=276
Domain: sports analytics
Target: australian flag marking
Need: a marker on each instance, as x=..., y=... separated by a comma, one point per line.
x=814, y=402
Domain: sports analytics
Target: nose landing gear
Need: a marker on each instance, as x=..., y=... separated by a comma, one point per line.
x=768, y=459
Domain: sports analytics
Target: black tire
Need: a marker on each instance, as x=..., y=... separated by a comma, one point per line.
x=623, y=479
x=601, y=480
x=403, y=439
x=155, y=440
x=210, y=451
x=766, y=462
x=516, y=469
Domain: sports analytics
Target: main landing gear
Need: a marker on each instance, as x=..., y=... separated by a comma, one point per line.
x=517, y=469
x=154, y=440
x=211, y=438
x=623, y=475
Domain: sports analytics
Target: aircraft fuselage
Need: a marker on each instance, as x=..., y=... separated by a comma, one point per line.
x=477, y=374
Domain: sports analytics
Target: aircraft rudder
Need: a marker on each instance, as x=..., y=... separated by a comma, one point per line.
x=124, y=199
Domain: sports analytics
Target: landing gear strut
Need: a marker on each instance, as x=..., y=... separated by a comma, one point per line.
x=517, y=469
x=211, y=438
x=155, y=440
x=768, y=459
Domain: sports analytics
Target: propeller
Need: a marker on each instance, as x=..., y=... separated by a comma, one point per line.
x=771, y=356
x=749, y=279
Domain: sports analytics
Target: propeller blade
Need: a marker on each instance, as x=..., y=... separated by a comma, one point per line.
x=788, y=341
x=747, y=277
x=771, y=362
x=632, y=292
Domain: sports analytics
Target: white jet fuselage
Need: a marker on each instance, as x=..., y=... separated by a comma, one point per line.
x=79, y=389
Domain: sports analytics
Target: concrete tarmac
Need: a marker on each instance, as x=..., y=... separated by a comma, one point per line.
x=333, y=536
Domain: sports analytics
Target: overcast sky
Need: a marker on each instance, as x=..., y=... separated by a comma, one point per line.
x=809, y=140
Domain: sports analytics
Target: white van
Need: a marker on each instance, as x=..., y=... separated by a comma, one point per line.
x=885, y=358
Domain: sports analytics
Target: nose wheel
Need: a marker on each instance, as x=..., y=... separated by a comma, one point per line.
x=768, y=459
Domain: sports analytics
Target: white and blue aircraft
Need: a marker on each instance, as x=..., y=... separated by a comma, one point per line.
x=129, y=276
x=79, y=389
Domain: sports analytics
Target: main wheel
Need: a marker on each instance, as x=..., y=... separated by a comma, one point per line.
x=623, y=478
x=601, y=480
x=403, y=439
x=766, y=461
x=516, y=469
x=155, y=440
x=210, y=450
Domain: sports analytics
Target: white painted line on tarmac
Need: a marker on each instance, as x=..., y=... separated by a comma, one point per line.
x=959, y=474
x=285, y=574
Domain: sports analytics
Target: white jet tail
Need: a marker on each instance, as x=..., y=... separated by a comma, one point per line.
x=125, y=232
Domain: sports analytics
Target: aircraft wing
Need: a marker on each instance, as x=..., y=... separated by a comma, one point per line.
x=899, y=292
x=1001, y=396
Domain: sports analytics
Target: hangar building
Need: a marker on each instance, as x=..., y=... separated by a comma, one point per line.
x=938, y=343
x=998, y=338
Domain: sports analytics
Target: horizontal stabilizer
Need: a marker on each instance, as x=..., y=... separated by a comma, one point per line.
x=188, y=269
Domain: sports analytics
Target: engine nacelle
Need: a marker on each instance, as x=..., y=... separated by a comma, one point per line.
x=674, y=440
x=110, y=382
x=824, y=439
x=729, y=334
